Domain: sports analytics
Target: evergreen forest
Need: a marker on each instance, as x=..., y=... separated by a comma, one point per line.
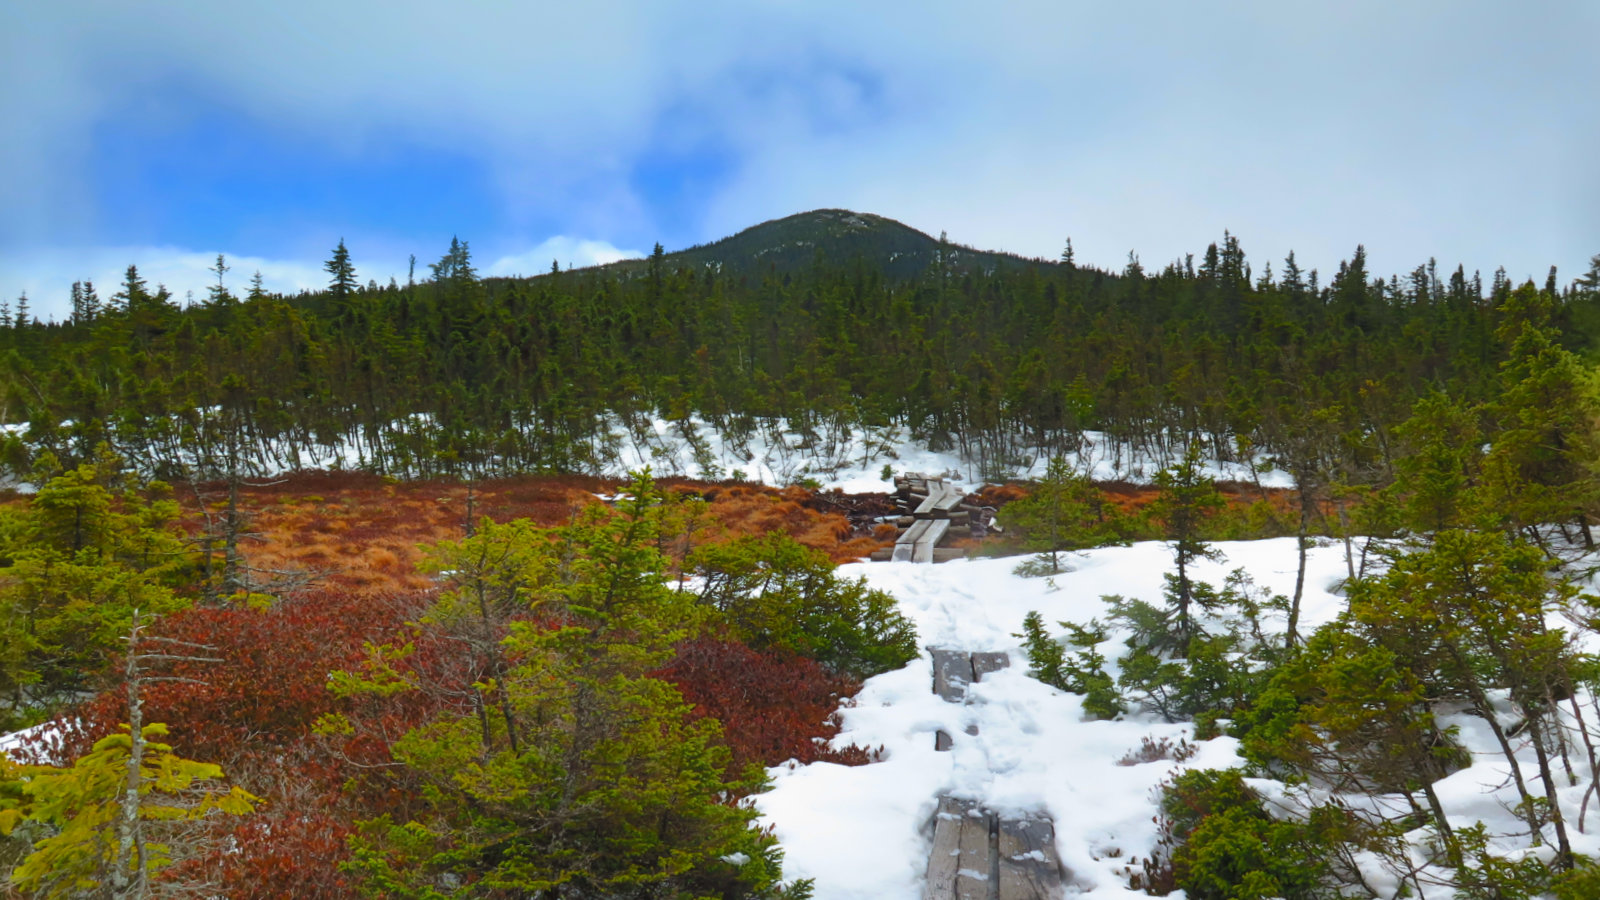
x=1001, y=358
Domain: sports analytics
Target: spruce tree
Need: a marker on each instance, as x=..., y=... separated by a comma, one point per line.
x=1186, y=499
x=343, y=284
x=613, y=790
x=1063, y=512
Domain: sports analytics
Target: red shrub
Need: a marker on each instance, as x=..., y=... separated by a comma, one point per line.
x=772, y=706
x=269, y=685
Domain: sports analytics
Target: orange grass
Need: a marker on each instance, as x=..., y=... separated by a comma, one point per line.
x=365, y=533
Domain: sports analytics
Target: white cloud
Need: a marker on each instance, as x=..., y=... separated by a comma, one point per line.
x=569, y=252
x=1452, y=129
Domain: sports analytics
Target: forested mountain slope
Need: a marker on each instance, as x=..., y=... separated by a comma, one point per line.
x=836, y=235
x=829, y=320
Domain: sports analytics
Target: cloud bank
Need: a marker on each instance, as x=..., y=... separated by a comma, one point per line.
x=1458, y=130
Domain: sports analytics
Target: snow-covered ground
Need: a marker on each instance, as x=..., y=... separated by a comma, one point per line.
x=772, y=452
x=853, y=460
x=862, y=832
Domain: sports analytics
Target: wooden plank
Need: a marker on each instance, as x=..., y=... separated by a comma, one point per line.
x=905, y=546
x=984, y=663
x=978, y=856
x=915, y=532
x=952, y=672
x=949, y=497
x=929, y=539
x=948, y=554
x=944, y=860
x=1030, y=868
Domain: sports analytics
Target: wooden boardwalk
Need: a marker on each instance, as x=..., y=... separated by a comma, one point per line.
x=933, y=511
x=976, y=854
x=919, y=541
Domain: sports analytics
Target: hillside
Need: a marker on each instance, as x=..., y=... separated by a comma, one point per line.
x=837, y=235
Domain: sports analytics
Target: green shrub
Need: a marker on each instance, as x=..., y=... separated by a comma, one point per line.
x=770, y=591
x=1228, y=847
x=1084, y=673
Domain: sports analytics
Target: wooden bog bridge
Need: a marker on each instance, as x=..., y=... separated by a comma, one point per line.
x=932, y=510
x=977, y=854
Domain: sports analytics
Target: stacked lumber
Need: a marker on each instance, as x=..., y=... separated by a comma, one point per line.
x=931, y=510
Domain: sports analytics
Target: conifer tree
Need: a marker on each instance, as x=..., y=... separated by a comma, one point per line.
x=1063, y=512
x=343, y=284
x=1186, y=499
x=117, y=814
x=614, y=791
x=1541, y=462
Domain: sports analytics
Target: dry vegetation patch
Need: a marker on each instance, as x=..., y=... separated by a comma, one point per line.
x=364, y=532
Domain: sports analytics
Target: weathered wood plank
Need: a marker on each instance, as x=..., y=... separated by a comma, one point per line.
x=929, y=539
x=976, y=875
x=949, y=497
x=985, y=662
x=905, y=546
x=948, y=554
x=952, y=672
x=1030, y=869
x=915, y=532
x=944, y=860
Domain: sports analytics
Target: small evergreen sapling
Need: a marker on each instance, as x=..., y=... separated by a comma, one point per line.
x=1064, y=512
x=1084, y=673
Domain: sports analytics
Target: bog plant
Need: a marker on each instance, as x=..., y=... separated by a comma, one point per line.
x=574, y=767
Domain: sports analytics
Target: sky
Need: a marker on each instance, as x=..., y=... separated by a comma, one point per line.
x=164, y=133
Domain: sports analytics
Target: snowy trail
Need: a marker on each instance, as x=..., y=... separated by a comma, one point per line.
x=862, y=832
x=976, y=852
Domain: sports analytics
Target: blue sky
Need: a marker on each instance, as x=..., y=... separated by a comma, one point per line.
x=164, y=133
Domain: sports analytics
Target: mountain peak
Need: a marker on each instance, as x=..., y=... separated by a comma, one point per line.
x=839, y=235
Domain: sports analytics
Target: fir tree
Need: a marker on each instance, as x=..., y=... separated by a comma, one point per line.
x=1186, y=498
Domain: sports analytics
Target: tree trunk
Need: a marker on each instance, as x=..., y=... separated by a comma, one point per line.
x=1563, y=860
x=126, y=881
x=1292, y=635
x=1486, y=709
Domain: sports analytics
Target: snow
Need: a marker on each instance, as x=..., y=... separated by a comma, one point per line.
x=16, y=740
x=852, y=459
x=772, y=452
x=864, y=832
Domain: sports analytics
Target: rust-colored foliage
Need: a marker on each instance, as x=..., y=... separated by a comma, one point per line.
x=361, y=532
x=252, y=709
x=290, y=847
x=1133, y=498
x=737, y=510
x=268, y=685
x=773, y=706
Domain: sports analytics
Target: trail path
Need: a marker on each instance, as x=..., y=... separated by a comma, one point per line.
x=978, y=854
x=1018, y=750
